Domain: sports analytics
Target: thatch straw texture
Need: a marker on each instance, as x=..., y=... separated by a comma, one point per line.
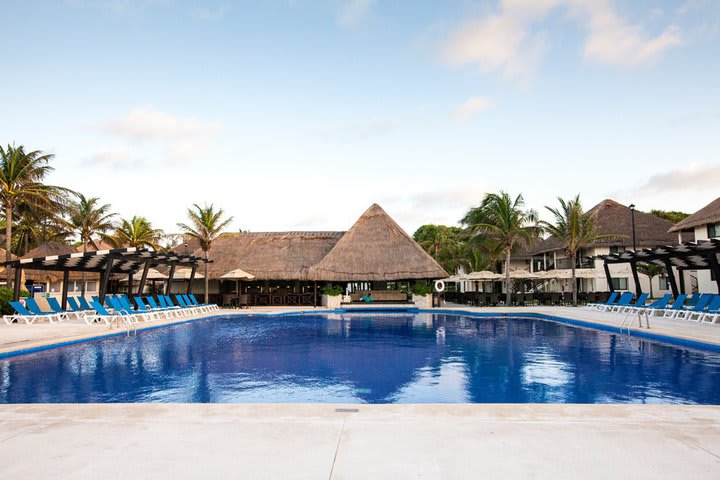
x=52, y=248
x=710, y=213
x=269, y=255
x=376, y=249
x=615, y=219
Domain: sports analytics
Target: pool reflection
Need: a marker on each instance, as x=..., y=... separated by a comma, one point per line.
x=366, y=358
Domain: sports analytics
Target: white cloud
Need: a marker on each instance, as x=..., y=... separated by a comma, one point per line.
x=510, y=41
x=174, y=139
x=354, y=10
x=688, y=179
x=470, y=107
x=209, y=13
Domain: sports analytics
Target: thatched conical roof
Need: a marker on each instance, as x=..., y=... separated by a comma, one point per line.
x=710, y=213
x=613, y=218
x=376, y=249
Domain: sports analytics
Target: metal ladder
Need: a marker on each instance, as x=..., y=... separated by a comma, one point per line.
x=127, y=323
x=633, y=315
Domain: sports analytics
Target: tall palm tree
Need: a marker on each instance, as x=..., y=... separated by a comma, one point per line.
x=651, y=270
x=575, y=229
x=505, y=220
x=206, y=223
x=86, y=217
x=136, y=232
x=21, y=180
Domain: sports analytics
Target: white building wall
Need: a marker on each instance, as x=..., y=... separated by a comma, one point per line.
x=704, y=279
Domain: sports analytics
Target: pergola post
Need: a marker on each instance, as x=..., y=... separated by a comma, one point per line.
x=130, y=284
x=171, y=274
x=636, y=278
x=192, y=278
x=66, y=280
x=104, y=280
x=681, y=274
x=715, y=268
x=671, y=277
x=143, y=279
x=16, y=283
x=609, y=277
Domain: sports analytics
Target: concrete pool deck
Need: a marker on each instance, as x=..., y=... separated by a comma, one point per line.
x=18, y=337
x=182, y=441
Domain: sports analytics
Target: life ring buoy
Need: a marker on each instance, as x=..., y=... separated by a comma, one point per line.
x=439, y=286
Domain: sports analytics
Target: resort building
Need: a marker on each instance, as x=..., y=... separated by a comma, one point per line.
x=628, y=229
x=705, y=225
x=291, y=268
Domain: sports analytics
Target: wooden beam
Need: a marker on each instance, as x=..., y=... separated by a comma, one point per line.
x=681, y=277
x=192, y=278
x=168, y=285
x=66, y=280
x=715, y=268
x=104, y=280
x=671, y=278
x=16, y=283
x=143, y=279
x=609, y=277
x=636, y=278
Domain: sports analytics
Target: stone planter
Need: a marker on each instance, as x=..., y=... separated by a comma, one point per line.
x=423, y=301
x=331, y=301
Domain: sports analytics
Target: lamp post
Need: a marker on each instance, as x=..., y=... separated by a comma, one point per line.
x=632, y=217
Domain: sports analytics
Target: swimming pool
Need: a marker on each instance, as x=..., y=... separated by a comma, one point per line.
x=366, y=358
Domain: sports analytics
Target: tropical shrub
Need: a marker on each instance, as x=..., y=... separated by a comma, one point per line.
x=6, y=296
x=333, y=290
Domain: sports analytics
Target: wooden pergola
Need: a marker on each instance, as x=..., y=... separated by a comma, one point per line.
x=700, y=255
x=106, y=262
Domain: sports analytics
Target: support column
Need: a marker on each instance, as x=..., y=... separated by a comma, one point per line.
x=609, y=277
x=636, y=278
x=715, y=268
x=16, y=283
x=671, y=278
x=104, y=280
x=170, y=279
x=130, y=285
x=66, y=280
x=681, y=274
x=314, y=294
x=143, y=279
x=192, y=278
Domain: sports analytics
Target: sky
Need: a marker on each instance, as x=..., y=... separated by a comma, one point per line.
x=300, y=114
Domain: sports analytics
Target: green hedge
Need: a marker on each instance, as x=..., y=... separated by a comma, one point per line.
x=422, y=289
x=333, y=290
x=6, y=295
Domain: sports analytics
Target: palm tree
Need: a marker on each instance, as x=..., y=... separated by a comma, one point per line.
x=206, y=223
x=575, y=229
x=136, y=232
x=504, y=220
x=86, y=217
x=651, y=270
x=21, y=180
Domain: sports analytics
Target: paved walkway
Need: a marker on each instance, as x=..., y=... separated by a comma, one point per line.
x=376, y=442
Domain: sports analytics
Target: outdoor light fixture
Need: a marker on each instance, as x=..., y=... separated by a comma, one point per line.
x=632, y=218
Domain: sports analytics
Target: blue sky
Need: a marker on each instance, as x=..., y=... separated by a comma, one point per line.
x=295, y=114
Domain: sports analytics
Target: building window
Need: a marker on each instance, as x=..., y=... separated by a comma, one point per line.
x=713, y=230
x=91, y=286
x=663, y=281
x=55, y=286
x=620, y=283
x=620, y=249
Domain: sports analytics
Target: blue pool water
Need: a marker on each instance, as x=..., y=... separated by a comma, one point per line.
x=366, y=358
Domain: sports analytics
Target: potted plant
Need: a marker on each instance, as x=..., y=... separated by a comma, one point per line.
x=332, y=296
x=422, y=295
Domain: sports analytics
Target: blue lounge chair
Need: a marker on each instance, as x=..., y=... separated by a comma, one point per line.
x=693, y=300
x=194, y=300
x=84, y=303
x=623, y=301
x=697, y=311
x=610, y=301
x=676, y=306
x=55, y=307
x=75, y=307
x=27, y=316
x=143, y=309
x=100, y=314
x=657, y=304
x=712, y=314
x=174, y=311
x=639, y=303
x=191, y=304
x=119, y=308
x=191, y=308
x=33, y=306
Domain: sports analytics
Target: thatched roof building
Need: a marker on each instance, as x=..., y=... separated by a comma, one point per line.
x=46, y=249
x=710, y=213
x=613, y=218
x=376, y=249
